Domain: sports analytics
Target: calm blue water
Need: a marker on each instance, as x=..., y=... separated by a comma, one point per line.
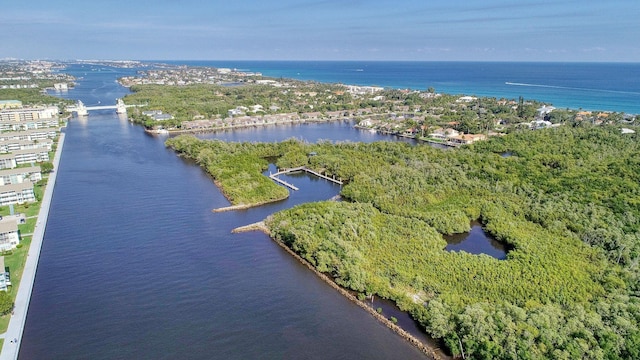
x=476, y=242
x=335, y=131
x=592, y=86
x=134, y=264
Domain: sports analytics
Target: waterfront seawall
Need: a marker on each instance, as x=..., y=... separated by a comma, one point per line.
x=10, y=349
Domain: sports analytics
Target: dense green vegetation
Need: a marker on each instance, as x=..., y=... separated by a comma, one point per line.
x=32, y=97
x=389, y=110
x=567, y=200
x=210, y=101
x=238, y=172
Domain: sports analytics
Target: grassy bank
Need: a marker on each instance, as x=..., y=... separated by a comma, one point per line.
x=15, y=259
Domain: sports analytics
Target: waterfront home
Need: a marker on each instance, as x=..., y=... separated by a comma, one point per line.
x=443, y=134
x=17, y=193
x=466, y=99
x=337, y=114
x=9, y=237
x=366, y=123
x=7, y=161
x=29, y=124
x=312, y=115
x=465, y=139
x=28, y=114
x=28, y=156
x=544, y=111
x=36, y=134
x=198, y=124
x=20, y=175
x=15, y=145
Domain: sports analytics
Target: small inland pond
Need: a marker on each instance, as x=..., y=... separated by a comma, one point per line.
x=476, y=242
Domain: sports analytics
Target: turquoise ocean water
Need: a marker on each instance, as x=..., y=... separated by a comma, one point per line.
x=589, y=86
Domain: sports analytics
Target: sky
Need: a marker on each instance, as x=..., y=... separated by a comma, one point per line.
x=422, y=30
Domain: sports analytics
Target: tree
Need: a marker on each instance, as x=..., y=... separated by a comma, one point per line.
x=6, y=303
x=46, y=167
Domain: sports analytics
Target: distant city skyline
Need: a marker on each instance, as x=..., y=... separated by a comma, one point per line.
x=453, y=30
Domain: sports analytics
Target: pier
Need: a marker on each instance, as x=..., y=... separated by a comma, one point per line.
x=275, y=178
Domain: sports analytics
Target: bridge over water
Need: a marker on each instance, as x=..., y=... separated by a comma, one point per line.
x=81, y=110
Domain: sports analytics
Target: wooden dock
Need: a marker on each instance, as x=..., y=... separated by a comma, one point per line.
x=276, y=179
x=301, y=168
x=322, y=176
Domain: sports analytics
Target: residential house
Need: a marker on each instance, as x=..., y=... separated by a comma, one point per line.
x=443, y=134
x=29, y=124
x=28, y=156
x=17, y=193
x=28, y=114
x=35, y=134
x=466, y=99
x=9, y=237
x=15, y=145
x=20, y=175
x=466, y=139
x=7, y=161
x=544, y=111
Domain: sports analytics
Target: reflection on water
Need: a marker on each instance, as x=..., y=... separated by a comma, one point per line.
x=476, y=242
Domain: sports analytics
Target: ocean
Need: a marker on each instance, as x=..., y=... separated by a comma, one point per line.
x=588, y=86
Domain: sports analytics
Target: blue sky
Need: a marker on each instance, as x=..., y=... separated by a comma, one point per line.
x=430, y=30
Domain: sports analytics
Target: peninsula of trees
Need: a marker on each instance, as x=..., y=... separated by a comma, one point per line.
x=564, y=199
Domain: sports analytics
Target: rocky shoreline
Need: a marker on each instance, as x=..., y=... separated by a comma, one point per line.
x=431, y=352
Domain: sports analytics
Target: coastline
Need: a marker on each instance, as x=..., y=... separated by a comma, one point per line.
x=245, y=206
x=15, y=329
x=427, y=350
x=233, y=207
x=242, y=126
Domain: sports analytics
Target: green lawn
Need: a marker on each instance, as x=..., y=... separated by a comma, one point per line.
x=28, y=227
x=31, y=209
x=15, y=262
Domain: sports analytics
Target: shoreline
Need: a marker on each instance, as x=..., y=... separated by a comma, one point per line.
x=241, y=126
x=424, y=348
x=241, y=206
x=23, y=297
x=244, y=206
